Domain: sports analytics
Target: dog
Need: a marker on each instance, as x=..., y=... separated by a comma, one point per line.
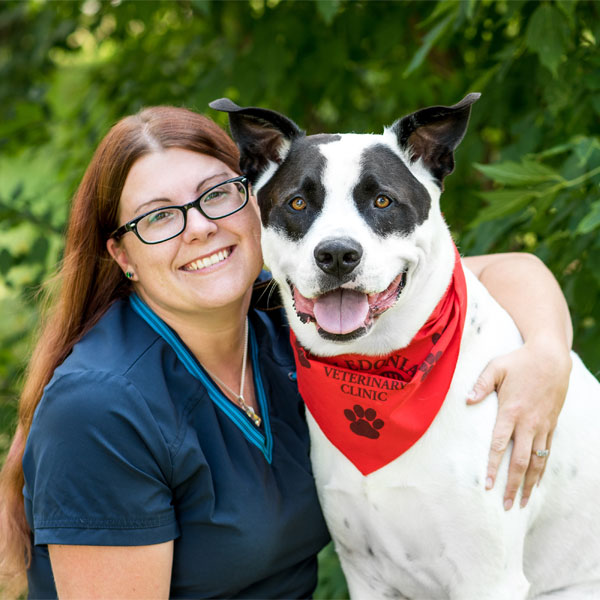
x=380, y=305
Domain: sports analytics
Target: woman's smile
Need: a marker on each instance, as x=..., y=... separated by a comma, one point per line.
x=203, y=263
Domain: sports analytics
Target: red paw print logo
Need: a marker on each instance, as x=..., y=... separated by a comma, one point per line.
x=364, y=422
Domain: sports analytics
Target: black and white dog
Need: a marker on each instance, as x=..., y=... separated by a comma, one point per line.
x=353, y=234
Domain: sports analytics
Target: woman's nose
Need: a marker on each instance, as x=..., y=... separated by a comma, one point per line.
x=198, y=226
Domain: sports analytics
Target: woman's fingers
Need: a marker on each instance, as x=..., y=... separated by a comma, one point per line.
x=539, y=458
x=501, y=436
x=531, y=384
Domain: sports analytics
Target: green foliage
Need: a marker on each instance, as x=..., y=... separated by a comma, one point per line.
x=527, y=173
x=332, y=585
x=548, y=35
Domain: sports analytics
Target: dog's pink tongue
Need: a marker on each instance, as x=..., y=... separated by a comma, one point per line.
x=341, y=311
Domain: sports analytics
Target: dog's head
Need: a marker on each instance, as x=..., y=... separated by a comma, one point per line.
x=349, y=221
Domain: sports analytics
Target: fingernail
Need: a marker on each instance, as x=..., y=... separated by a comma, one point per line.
x=508, y=504
x=524, y=502
x=489, y=483
x=472, y=395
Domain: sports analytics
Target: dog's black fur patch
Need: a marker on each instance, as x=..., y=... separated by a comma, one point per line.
x=384, y=172
x=300, y=174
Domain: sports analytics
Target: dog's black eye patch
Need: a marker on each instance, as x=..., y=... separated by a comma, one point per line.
x=384, y=173
x=300, y=175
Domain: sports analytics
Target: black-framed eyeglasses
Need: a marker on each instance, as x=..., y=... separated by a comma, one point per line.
x=162, y=224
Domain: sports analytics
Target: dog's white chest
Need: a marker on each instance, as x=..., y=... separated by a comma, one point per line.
x=400, y=524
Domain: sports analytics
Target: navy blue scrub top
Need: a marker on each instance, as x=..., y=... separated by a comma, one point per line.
x=133, y=444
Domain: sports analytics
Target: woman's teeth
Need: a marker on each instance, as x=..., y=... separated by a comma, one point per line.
x=213, y=259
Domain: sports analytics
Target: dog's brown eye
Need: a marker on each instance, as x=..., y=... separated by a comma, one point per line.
x=298, y=203
x=382, y=202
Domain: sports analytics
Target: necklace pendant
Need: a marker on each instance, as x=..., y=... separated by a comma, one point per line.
x=250, y=412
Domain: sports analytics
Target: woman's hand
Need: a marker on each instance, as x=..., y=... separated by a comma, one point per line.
x=531, y=383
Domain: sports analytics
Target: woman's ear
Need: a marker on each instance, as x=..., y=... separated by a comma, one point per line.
x=119, y=255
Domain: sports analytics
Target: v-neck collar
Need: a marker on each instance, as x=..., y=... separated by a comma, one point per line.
x=263, y=440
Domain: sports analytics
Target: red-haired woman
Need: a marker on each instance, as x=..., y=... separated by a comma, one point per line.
x=161, y=449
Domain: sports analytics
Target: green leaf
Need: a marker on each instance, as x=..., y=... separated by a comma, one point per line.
x=471, y=5
x=547, y=35
x=39, y=250
x=502, y=203
x=202, y=7
x=591, y=220
x=559, y=149
x=6, y=261
x=328, y=9
x=428, y=42
x=594, y=255
x=585, y=148
x=482, y=81
x=17, y=191
x=512, y=173
x=568, y=8
x=441, y=8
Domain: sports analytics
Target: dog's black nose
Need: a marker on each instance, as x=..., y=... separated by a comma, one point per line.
x=338, y=256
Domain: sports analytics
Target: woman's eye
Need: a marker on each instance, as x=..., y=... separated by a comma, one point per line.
x=214, y=195
x=160, y=216
x=382, y=202
x=298, y=203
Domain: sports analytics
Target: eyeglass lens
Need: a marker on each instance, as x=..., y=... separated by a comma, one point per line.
x=165, y=223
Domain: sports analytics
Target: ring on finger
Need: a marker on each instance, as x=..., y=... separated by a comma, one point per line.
x=541, y=453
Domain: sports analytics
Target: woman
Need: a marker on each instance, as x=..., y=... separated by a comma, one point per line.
x=168, y=455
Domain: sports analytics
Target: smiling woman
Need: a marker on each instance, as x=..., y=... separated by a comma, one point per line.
x=176, y=269
x=168, y=441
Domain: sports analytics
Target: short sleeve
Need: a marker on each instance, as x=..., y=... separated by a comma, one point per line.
x=97, y=466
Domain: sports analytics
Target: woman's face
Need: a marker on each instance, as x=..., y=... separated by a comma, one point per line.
x=169, y=276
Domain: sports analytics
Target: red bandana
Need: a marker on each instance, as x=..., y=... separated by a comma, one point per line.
x=374, y=408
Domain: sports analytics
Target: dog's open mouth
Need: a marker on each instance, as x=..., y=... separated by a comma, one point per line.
x=342, y=312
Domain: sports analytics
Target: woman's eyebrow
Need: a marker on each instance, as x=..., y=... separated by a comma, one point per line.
x=220, y=176
x=144, y=205
x=217, y=176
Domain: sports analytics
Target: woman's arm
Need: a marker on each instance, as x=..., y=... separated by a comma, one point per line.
x=126, y=572
x=532, y=381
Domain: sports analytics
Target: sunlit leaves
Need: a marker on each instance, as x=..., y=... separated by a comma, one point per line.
x=524, y=173
x=501, y=203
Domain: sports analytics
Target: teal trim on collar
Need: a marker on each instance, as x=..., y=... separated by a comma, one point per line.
x=264, y=442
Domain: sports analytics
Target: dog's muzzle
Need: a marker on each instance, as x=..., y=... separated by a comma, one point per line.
x=344, y=314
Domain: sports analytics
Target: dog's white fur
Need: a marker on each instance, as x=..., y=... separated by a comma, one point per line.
x=424, y=526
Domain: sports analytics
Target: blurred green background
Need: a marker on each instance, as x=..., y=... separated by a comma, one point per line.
x=528, y=172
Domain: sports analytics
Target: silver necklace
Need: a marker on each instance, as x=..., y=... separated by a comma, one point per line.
x=239, y=398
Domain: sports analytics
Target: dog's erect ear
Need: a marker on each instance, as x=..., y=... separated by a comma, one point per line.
x=262, y=135
x=432, y=134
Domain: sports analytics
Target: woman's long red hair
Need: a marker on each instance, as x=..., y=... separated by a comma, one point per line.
x=90, y=281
